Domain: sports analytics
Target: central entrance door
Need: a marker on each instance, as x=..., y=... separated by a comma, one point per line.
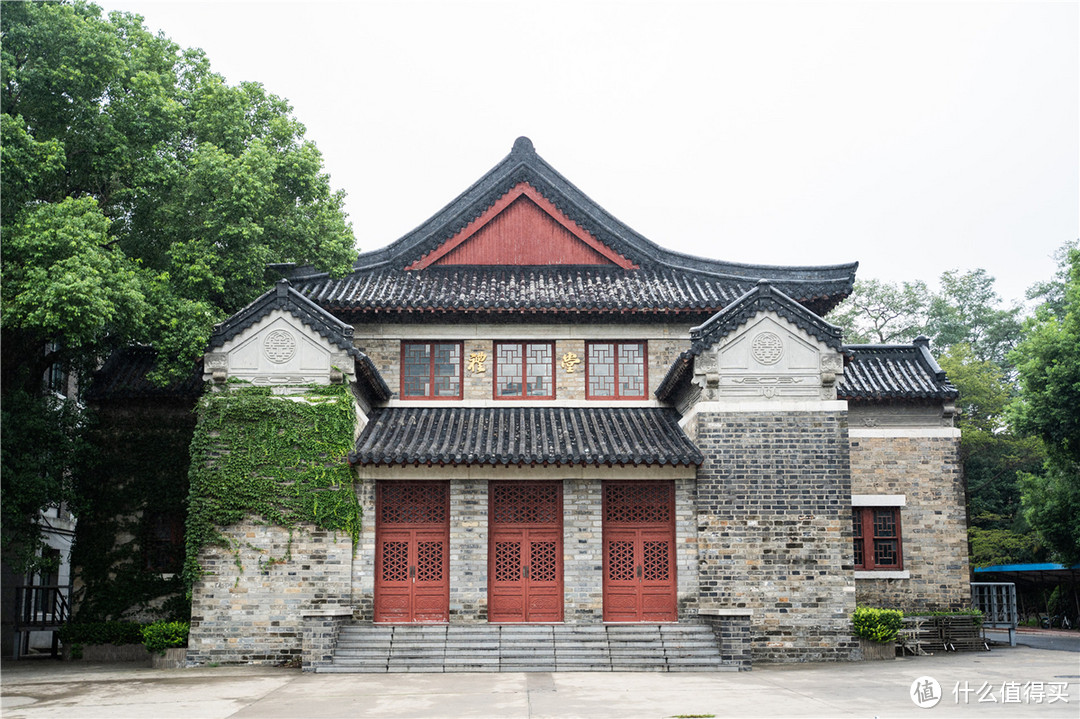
x=412, y=537
x=639, y=552
x=525, y=572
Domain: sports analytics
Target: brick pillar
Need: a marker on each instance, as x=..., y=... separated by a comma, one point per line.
x=582, y=552
x=468, y=551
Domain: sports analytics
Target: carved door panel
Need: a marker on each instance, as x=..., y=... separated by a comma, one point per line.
x=412, y=537
x=525, y=577
x=639, y=552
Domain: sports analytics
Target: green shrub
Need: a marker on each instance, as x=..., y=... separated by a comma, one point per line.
x=117, y=633
x=159, y=636
x=879, y=625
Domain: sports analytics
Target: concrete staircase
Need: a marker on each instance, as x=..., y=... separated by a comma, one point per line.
x=526, y=648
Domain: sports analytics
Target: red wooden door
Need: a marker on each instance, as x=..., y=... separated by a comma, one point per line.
x=639, y=552
x=525, y=573
x=412, y=538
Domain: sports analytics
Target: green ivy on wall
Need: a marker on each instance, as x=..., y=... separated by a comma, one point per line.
x=281, y=459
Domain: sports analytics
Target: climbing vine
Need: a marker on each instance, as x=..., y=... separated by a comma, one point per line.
x=282, y=459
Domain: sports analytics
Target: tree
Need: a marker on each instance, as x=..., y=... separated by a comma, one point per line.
x=142, y=199
x=967, y=309
x=1048, y=368
x=882, y=312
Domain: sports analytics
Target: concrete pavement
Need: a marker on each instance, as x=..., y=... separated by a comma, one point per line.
x=35, y=689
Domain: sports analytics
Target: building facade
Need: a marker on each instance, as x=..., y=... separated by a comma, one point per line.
x=560, y=422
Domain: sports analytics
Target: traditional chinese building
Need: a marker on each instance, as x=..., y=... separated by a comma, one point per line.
x=566, y=432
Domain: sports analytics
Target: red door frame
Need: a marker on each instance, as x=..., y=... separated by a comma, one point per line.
x=640, y=582
x=525, y=552
x=412, y=553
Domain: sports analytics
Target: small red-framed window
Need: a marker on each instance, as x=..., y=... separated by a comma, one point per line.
x=431, y=370
x=524, y=370
x=616, y=370
x=877, y=540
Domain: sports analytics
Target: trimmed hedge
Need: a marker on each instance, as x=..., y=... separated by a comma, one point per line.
x=159, y=636
x=118, y=633
x=878, y=625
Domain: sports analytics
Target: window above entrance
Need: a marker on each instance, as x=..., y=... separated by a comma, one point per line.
x=524, y=370
x=616, y=370
x=431, y=370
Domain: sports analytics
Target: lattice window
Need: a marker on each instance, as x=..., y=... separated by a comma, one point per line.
x=429, y=561
x=395, y=561
x=877, y=538
x=413, y=502
x=620, y=560
x=431, y=370
x=524, y=370
x=543, y=561
x=638, y=502
x=507, y=561
x=656, y=561
x=526, y=502
x=616, y=370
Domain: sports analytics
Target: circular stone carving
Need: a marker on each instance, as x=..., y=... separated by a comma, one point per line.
x=767, y=348
x=279, y=346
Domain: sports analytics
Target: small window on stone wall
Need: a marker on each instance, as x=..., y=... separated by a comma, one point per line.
x=877, y=538
x=431, y=370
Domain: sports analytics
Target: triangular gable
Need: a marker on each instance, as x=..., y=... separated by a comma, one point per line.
x=522, y=228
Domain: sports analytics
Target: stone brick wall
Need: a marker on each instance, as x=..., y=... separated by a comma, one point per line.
x=774, y=528
x=253, y=612
x=926, y=471
x=468, y=551
x=582, y=551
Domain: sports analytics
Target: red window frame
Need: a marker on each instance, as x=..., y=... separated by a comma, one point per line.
x=618, y=391
x=497, y=384
x=867, y=532
x=431, y=370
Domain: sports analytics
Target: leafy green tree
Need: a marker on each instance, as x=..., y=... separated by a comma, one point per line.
x=142, y=199
x=991, y=452
x=883, y=312
x=967, y=309
x=1048, y=368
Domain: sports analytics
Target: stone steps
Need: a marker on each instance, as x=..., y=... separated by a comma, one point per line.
x=366, y=648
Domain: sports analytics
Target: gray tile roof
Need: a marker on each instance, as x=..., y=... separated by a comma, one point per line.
x=888, y=372
x=545, y=290
x=524, y=436
x=338, y=333
x=665, y=282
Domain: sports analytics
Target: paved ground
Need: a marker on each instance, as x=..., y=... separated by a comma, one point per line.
x=33, y=689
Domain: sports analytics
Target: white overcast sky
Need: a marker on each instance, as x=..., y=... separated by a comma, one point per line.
x=914, y=137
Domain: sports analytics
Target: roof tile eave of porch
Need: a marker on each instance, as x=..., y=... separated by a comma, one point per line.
x=629, y=436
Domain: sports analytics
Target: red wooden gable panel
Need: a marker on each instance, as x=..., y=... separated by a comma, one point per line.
x=522, y=228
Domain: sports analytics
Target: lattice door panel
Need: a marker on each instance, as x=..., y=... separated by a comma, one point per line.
x=639, y=552
x=413, y=502
x=639, y=503
x=412, y=533
x=525, y=582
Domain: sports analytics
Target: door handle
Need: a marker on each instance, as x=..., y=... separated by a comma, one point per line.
x=639, y=571
x=412, y=573
x=525, y=571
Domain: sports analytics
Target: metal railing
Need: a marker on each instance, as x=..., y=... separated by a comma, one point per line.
x=40, y=607
x=997, y=602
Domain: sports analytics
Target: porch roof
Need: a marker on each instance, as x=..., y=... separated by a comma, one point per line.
x=524, y=436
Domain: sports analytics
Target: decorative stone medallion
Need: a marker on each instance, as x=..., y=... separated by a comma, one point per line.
x=767, y=348
x=279, y=346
